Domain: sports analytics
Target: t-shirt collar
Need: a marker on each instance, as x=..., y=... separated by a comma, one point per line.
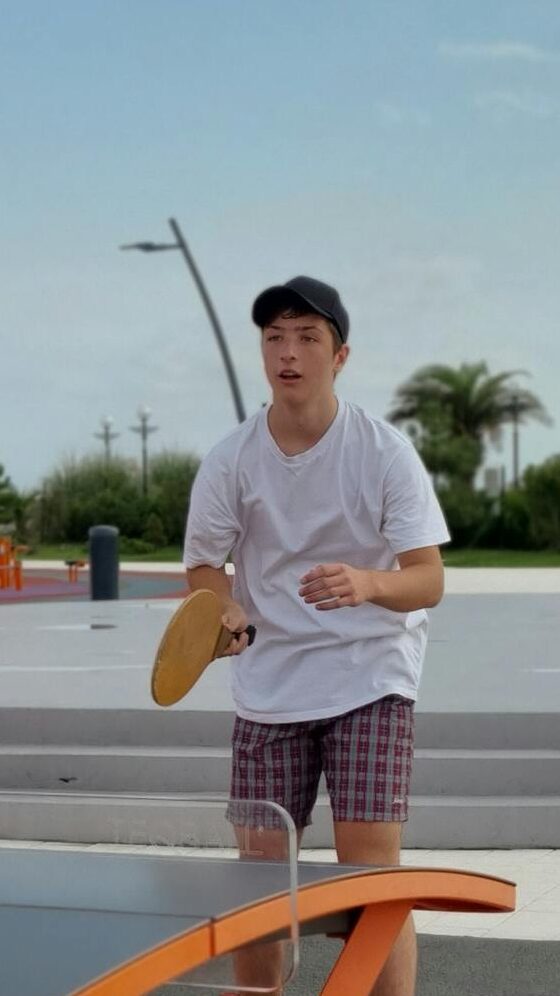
x=306, y=455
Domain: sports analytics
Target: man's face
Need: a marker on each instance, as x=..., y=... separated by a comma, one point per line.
x=300, y=360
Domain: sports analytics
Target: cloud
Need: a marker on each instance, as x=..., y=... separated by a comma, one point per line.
x=506, y=103
x=496, y=51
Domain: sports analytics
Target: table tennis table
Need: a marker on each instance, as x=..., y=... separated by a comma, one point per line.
x=99, y=923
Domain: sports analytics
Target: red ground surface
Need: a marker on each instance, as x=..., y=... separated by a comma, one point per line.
x=43, y=585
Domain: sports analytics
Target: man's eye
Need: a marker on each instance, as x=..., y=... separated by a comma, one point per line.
x=309, y=338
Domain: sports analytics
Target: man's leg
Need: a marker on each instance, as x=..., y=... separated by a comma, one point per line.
x=277, y=763
x=379, y=844
x=262, y=964
x=367, y=758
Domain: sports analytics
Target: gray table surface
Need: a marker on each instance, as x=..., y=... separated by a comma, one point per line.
x=67, y=917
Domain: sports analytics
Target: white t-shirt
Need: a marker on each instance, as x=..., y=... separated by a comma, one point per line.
x=359, y=496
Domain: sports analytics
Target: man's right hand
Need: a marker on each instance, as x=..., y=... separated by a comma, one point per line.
x=235, y=619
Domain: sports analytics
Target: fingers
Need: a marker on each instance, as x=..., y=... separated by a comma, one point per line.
x=321, y=578
x=330, y=586
x=321, y=571
x=326, y=581
x=335, y=603
x=237, y=644
x=234, y=618
x=337, y=591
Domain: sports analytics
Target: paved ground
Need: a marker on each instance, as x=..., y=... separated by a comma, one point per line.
x=520, y=608
x=487, y=653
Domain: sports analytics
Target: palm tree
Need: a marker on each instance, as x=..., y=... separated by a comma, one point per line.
x=452, y=410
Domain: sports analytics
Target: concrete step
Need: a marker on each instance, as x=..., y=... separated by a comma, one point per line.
x=115, y=769
x=483, y=822
x=174, y=819
x=180, y=727
x=486, y=772
x=207, y=769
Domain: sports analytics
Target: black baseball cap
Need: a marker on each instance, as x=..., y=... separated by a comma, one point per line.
x=317, y=296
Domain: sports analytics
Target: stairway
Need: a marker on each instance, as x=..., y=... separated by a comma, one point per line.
x=480, y=780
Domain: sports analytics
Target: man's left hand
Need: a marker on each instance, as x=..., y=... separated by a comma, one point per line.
x=334, y=586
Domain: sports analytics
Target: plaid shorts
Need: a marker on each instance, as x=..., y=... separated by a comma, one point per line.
x=365, y=754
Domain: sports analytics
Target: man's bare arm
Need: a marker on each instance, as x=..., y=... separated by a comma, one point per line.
x=214, y=578
x=234, y=617
x=417, y=585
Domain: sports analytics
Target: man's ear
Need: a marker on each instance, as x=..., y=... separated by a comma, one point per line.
x=340, y=358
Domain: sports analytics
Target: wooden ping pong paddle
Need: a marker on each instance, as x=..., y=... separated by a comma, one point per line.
x=194, y=637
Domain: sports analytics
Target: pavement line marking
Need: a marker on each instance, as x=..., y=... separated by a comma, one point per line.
x=541, y=670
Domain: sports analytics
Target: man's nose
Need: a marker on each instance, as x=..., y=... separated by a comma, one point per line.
x=289, y=350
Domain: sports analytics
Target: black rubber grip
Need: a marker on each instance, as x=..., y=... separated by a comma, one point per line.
x=251, y=632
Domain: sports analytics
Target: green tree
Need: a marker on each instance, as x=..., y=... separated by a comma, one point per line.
x=454, y=411
x=24, y=509
x=16, y=510
x=8, y=497
x=447, y=456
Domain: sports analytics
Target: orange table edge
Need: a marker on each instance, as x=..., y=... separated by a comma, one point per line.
x=384, y=895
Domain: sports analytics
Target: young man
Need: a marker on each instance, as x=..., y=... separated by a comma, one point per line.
x=334, y=529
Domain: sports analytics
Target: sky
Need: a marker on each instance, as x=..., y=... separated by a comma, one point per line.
x=406, y=151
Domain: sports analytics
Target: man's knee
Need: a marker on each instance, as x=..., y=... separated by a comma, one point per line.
x=267, y=844
x=368, y=843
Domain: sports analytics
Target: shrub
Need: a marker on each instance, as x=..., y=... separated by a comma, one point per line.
x=468, y=513
x=542, y=489
x=153, y=532
x=172, y=476
x=89, y=492
x=515, y=522
x=134, y=546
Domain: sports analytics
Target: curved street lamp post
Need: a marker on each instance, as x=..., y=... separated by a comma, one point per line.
x=182, y=246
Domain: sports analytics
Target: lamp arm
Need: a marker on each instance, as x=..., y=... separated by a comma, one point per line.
x=211, y=312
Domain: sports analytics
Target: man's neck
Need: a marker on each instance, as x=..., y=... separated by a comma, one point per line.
x=298, y=428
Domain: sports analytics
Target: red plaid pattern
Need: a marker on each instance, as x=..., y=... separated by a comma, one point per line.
x=366, y=757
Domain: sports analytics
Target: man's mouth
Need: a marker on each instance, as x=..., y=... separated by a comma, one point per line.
x=289, y=375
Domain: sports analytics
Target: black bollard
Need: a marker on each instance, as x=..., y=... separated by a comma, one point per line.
x=103, y=562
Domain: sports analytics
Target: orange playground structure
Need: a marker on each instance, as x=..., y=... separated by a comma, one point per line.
x=11, y=571
x=73, y=568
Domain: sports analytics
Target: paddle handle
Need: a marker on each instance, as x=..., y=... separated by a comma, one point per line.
x=251, y=632
x=226, y=636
